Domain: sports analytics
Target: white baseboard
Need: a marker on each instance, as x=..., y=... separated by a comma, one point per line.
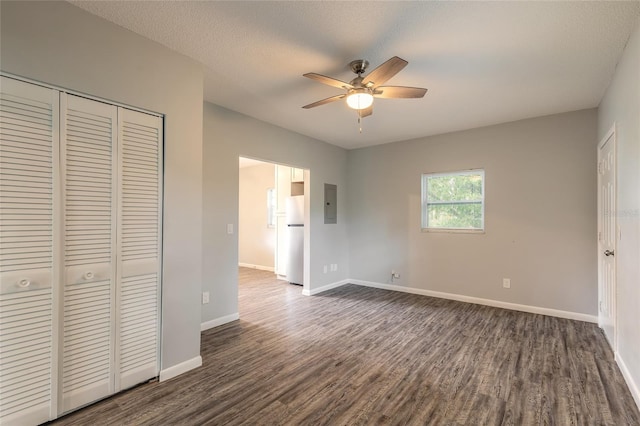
x=219, y=321
x=480, y=301
x=634, y=388
x=325, y=288
x=260, y=267
x=183, y=367
x=461, y=298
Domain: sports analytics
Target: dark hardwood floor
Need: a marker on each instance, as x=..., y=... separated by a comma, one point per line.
x=356, y=355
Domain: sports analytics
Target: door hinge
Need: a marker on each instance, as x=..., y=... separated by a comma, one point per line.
x=599, y=235
x=601, y=167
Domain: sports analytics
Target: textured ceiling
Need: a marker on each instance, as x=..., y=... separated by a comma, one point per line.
x=483, y=62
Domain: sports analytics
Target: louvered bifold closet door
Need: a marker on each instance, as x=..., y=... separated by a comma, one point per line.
x=28, y=150
x=88, y=154
x=139, y=241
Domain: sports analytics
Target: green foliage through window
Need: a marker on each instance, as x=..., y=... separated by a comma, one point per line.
x=453, y=200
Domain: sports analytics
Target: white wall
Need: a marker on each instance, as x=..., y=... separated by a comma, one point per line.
x=621, y=105
x=228, y=135
x=60, y=44
x=540, y=214
x=255, y=239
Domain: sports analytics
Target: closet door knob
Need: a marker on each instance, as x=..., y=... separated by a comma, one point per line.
x=88, y=275
x=24, y=283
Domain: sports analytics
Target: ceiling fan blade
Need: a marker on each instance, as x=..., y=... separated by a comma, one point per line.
x=325, y=101
x=390, y=92
x=328, y=80
x=385, y=71
x=365, y=112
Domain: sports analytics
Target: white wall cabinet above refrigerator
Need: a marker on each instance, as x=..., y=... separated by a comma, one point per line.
x=297, y=175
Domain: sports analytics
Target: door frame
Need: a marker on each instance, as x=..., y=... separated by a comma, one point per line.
x=306, y=275
x=609, y=136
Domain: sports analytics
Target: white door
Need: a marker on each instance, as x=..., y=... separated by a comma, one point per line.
x=80, y=250
x=87, y=152
x=28, y=150
x=112, y=163
x=139, y=247
x=607, y=234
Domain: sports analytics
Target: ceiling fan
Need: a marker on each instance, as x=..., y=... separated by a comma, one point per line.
x=361, y=90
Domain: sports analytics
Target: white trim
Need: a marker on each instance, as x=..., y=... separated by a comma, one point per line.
x=219, y=321
x=183, y=367
x=606, y=137
x=57, y=249
x=260, y=267
x=315, y=291
x=634, y=388
x=454, y=230
x=480, y=301
x=77, y=93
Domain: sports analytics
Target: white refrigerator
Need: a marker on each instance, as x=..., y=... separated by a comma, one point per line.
x=295, y=236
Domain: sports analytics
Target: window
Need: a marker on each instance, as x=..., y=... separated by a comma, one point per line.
x=271, y=208
x=453, y=201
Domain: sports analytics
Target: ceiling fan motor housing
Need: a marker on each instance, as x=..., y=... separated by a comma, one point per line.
x=359, y=66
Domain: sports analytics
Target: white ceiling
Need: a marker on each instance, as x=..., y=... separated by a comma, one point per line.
x=483, y=62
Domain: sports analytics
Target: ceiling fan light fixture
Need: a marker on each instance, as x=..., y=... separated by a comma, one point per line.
x=360, y=91
x=360, y=98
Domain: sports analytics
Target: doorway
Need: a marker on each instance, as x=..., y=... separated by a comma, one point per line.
x=256, y=225
x=269, y=237
x=607, y=236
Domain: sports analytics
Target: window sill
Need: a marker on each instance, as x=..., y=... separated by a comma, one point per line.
x=453, y=230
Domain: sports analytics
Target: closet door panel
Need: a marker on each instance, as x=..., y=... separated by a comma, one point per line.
x=28, y=150
x=89, y=149
x=139, y=242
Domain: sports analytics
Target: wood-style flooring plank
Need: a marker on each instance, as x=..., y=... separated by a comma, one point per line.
x=363, y=356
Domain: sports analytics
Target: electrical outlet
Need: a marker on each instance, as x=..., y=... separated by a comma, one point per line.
x=325, y=269
x=230, y=228
x=506, y=283
x=336, y=267
x=205, y=297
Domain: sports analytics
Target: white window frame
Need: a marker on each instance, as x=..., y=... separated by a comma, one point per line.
x=425, y=203
x=271, y=207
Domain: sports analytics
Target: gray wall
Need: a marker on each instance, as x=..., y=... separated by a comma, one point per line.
x=60, y=44
x=257, y=242
x=540, y=184
x=540, y=213
x=621, y=105
x=228, y=135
